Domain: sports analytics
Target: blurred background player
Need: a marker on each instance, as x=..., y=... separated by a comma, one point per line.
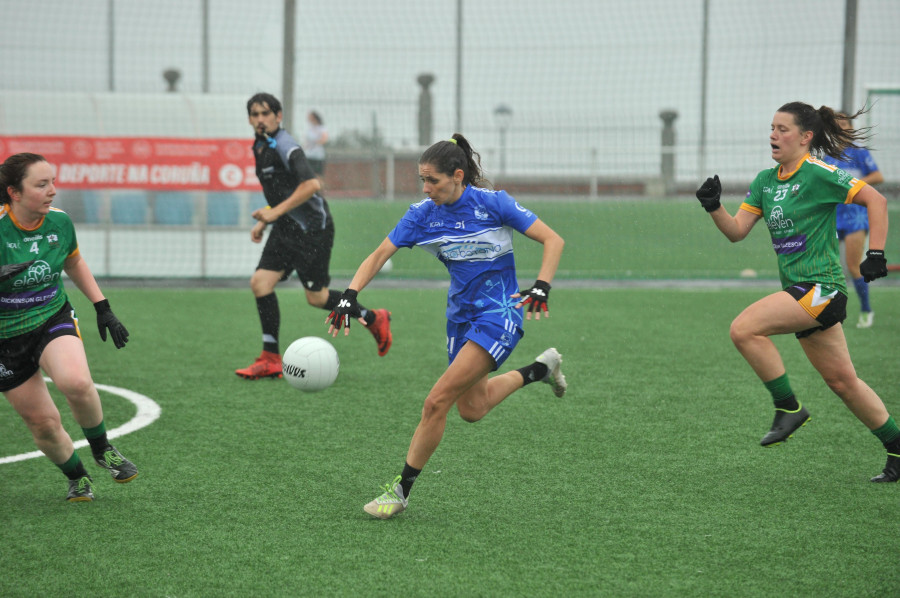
x=469, y=229
x=852, y=220
x=797, y=200
x=314, y=141
x=38, y=328
x=301, y=238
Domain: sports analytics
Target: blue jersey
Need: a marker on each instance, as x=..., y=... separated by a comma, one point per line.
x=859, y=163
x=473, y=237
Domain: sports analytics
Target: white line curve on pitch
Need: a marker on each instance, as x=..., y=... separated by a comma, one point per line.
x=148, y=411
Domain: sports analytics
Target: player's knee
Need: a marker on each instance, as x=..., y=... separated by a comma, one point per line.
x=44, y=427
x=435, y=406
x=76, y=386
x=739, y=332
x=840, y=383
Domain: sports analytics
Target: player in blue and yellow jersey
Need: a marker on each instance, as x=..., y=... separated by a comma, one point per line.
x=470, y=230
x=38, y=328
x=797, y=201
x=301, y=238
x=853, y=222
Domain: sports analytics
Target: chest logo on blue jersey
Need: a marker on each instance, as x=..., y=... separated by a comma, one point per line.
x=481, y=213
x=468, y=250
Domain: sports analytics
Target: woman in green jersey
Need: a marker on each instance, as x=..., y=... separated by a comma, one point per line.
x=38, y=329
x=797, y=199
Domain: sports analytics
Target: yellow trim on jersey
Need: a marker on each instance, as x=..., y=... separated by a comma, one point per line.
x=784, y=177
x=752, y=209
x=859, y=184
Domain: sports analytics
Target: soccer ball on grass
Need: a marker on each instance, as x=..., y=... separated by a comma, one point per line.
x=310, y=364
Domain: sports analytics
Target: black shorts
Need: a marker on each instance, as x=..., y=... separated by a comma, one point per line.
x=20, y=356
x=828, y=310
x=288, y=248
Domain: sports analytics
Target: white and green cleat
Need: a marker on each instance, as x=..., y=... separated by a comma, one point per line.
x=388, y=504
x=553, y=360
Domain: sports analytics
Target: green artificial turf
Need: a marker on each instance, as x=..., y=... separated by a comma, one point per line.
x=645, y=480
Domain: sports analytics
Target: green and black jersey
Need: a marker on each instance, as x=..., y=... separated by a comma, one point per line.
x=30, y=298
x=799, y=209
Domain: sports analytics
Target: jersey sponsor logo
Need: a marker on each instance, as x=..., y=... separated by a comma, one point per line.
x=34, y=238
x=39, y=272
x=777, y=221
x=788, y=245
x=843, y=177
x=10, y=245
x=13, y=301
x=469, y=250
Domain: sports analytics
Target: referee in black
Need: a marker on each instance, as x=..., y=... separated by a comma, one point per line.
x=301, y=238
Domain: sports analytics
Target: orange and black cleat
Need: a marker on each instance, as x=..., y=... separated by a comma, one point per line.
x=267, y=365
x=381, y=330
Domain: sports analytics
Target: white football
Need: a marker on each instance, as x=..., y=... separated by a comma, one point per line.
x=310, y=364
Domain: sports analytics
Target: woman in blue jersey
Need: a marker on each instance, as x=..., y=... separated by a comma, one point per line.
x=852, y=221
x=470, y=229
x=38, y=328
x=797, y=200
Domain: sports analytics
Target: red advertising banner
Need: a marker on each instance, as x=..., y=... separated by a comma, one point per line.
x=154, y=163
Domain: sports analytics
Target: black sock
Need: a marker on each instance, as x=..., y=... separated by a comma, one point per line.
x=788, y=404
x=534, y=372
x=96, y=437
x=332, y=301
x=270, y=319
x=893, y=447
x=407, y=478
x=98, y=445
x=73, y=468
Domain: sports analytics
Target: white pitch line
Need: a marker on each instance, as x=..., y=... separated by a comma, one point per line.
x=148, y=412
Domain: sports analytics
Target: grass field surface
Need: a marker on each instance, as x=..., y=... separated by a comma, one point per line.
x=645, y=480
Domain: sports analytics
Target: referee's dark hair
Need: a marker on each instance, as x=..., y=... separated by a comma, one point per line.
x=266, y=99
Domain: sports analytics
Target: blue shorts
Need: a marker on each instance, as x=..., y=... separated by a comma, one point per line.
x=497, y=336
x=851, y=218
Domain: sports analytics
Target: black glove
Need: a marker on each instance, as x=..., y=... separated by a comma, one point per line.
x=874, y=266
x=709, y=194
x=537, y=296
x=7, y=271
x=106, y=319
x=346, y=308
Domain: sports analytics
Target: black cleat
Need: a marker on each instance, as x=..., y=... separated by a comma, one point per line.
x=80, y=490
x=121, y=469
x=891, y=471
x=784, y=425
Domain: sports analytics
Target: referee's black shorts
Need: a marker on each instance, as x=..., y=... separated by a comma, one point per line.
x=290, y=249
